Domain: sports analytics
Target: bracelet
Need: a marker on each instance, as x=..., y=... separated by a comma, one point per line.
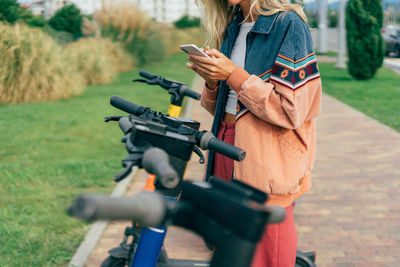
x=212, y=89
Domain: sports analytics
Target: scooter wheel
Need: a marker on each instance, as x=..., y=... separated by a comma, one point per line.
x=111, y=261
x=304, y=263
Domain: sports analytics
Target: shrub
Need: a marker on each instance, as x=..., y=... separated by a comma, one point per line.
x=312, y=19
x=99, y=60
x=9, y=11
x=187, y=22
x=36, y=21
x=364, y=19
x=332, y=18
x=126, y=23
x=68, y=19
x=33, y=67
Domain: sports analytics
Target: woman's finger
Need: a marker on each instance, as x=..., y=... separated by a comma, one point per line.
x=200, y=70
x=206, y=74
x=204, y=60
x=205, y=67
x=189, y=65
x=214, y=53
x=209, y=68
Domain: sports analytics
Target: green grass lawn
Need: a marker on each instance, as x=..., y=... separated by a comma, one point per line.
x=379, y=97
x=53, y=151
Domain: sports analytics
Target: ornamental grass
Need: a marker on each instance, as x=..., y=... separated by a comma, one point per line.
x=33, y=67
x=99, y=60
x=126, y=23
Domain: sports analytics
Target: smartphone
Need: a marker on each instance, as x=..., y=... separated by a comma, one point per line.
x=193, y=49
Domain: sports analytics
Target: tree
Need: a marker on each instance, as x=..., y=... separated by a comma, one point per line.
x=332, y=18
x=187, y=22
x=364, y=20
x=312, y=19
x=68, y=19
x=10, y=11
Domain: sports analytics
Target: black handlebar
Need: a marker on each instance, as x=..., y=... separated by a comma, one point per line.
x=227, y=149
x=276, y=214
x=206, y=140
x=127, y=106
x=176, y=89
x=185, y=91
x=148, y=208
x=151, y=208
x=156, y=161
x=125, y=125
x=147, y=75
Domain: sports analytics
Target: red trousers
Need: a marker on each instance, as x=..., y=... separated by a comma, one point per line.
x=278, y=245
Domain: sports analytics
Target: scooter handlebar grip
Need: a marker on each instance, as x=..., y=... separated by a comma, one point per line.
x=276, y=214
x=190, y=93
x=156, y=161
x=125, y=125
x=226, y=149
x=127, y=106
x=147, y=75
x=147, y=208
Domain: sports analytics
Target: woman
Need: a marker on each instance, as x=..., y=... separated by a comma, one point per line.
x=263, y=89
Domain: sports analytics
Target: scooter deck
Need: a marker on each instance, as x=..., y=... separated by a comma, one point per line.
x=184, y=263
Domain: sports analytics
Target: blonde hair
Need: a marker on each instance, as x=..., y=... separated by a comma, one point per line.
x=218, y=14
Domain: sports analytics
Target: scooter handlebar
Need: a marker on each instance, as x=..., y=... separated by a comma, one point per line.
x=209, y=141
x=124, y=124
x=127, y=106
x=276, y=214
x=156, y=161
x=147, y=208
x=185, y=91
x=147, y=75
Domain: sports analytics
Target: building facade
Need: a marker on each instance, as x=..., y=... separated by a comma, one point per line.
x=160, y=10
x=168, y=10
x=46, y=8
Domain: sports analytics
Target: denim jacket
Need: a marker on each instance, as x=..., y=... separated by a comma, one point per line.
x=279, y=97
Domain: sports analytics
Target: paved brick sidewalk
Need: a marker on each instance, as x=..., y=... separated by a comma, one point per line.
x=352, y=215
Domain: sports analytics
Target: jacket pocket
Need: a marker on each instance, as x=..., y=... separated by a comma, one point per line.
x=275, y=159
x=293, y=154
x=293, y=141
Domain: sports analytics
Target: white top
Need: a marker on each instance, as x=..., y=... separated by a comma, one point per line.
x=238, y=56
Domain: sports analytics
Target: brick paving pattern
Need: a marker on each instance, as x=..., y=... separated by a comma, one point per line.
x=351, y=217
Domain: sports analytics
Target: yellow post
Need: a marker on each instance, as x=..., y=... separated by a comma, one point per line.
x=174, y=111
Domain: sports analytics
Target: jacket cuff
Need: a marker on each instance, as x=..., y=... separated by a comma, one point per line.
x=237, y=78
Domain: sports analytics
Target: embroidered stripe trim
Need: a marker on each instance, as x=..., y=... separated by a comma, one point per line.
x=296, y=86
x=295, y=66
x=282, y=56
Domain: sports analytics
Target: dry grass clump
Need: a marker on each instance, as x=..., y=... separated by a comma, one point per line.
x=126, y=23
x=174, y=37
x=33, y=67
x=99, y=60
x=125, y=19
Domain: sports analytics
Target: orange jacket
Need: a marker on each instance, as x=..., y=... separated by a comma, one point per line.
x=275, y=123
x=278, y=134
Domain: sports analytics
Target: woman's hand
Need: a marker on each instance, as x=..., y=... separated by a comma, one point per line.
x=214, y=69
